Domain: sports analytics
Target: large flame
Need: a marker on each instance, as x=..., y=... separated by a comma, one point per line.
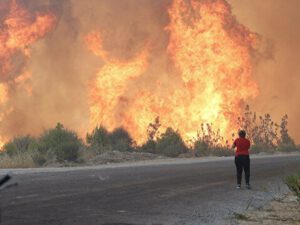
x=111, y=83
x=213, y=55
x=211, y=52
x=18, y=30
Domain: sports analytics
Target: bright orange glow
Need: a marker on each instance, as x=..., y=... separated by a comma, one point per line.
x=18, y=30
x=3, y=100
x=211, y=52
x=111, y=83
x=213, y=55
x=3, y=94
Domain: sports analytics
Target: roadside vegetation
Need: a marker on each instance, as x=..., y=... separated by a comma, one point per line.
x=282, y=209
x=293, y=182
x=60, y=146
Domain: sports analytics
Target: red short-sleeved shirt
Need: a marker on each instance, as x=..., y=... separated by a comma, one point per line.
x=242, y=146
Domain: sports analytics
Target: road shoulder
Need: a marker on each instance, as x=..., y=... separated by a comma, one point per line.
x=154, y=162
x=285, y=210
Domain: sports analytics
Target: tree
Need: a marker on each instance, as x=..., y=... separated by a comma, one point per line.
x=170, y=144
x=63, y=143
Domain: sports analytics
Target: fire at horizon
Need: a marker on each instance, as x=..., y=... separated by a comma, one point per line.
x=18, y=30
x=211, y=54
x=208, y=79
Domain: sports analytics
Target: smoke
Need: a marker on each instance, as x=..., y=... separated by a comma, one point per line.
x=60, y=64
x=278, y=76
x=62, y=67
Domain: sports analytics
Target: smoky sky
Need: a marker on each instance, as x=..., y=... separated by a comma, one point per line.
x=62, y=66
x=278, y=77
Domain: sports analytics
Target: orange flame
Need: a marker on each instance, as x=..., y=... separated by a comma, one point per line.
x=111, y=83
x=18, y=30
x=3, y=100
x=211, y=52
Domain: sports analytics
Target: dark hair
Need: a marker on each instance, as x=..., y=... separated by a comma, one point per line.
x=242, y=133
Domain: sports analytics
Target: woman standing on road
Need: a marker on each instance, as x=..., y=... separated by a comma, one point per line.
x=242, y=159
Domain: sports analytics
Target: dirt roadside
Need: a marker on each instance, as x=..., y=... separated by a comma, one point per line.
x=285, y=210
x=136, y=161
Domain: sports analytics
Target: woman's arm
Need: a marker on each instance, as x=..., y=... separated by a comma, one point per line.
x=233, y=145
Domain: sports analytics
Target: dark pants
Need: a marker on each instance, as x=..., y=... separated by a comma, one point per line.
x=242, y=162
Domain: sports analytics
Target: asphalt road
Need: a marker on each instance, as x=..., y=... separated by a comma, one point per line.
x=192, y=192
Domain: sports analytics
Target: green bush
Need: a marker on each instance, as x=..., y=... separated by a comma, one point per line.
x=20, y=145
x=63, y=143
x=120, y=140
x=222, y=151
x=39, y=158
x=170, y=144
x=201, y=148
x=100, y=140
x=67, y=151
x=293, y=182
x=149, y=147
x=98, y=137
x=289, y=147
x=257, y=148
x=25, y=146
x=152, y=133
x=10, y=148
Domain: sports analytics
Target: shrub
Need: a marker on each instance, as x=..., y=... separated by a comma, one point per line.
x=152, y=134
x=100, y=140
x=201, y=148
x=38, y=158
x=10, y=148
x=266, y=135
x=20, y=145
x=22, y=148
x=222, y=151
x=257, y=148
x=208, y=135
x=289, y=147
x=170, y=144
x=152, y=130
x=120, y=140
x=293, y=182
x=284, y=135
x=99, y=137
x=64, y=144
x=67, y=151
x=149, y=147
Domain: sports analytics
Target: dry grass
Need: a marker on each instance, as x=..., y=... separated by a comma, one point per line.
x=23, y=160
x=88, y=155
